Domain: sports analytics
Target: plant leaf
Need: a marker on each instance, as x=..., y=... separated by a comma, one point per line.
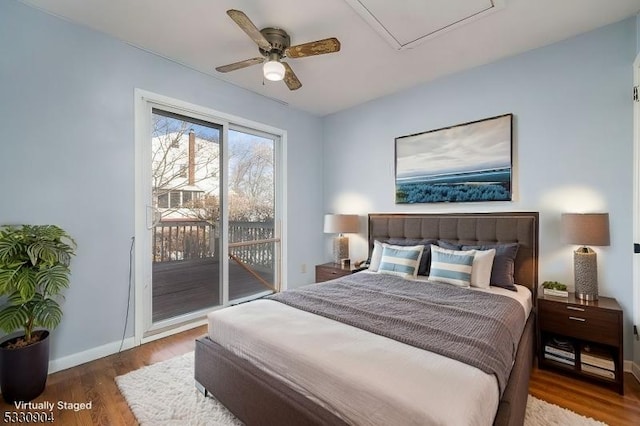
x=26, y=283
x=13, y=318
x=15, y=298
x=43, y=251
x=9, y=247
x=53, y=280
x=8, y=278
x=47, y=313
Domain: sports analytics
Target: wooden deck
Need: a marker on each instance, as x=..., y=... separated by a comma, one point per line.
x=180, y=287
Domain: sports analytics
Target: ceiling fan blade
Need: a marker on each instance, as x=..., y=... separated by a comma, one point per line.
x=290, y=78
x=319, y=47
x=248, y=27
x=240, y=65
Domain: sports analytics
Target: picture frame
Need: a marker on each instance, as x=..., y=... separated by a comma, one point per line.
x=469, y=162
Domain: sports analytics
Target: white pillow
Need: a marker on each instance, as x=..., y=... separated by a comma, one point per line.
x=402, y=261
x=451, y=266
x=482, y=264
x=376, y=256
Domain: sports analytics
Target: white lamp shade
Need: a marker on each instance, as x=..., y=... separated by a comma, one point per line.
x=273, y=70
x=341, y=223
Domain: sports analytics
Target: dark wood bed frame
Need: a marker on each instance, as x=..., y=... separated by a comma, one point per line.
x=257, y=398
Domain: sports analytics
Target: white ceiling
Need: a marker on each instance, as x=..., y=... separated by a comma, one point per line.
x=199, y=34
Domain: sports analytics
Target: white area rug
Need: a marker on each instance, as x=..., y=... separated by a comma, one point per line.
x=165, y=394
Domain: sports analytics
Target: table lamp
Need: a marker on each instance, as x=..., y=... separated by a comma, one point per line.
x=340, y=224
x=585, y=229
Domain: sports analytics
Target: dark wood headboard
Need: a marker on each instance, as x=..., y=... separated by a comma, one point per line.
x=471, y=229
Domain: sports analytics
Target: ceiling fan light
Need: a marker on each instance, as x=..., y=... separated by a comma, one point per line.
x=273, y=70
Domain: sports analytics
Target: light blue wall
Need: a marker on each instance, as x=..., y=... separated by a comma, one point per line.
x=573, y=145
x=67, y=154
x=638, y=33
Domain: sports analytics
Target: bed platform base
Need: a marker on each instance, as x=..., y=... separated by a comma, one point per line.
x=257, y=398
x=252, y=395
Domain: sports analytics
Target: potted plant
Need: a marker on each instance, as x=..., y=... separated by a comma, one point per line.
x=34, y=270
x=554, y=288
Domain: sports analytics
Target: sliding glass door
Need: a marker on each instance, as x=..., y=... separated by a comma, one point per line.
x=253, y=242
x=185, y=181
x=207, y=232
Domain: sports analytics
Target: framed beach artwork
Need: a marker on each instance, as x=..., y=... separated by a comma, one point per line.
x=463, y=163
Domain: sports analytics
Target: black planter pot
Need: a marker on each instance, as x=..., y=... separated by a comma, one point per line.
x=23, y=371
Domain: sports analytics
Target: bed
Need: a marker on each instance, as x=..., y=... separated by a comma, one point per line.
x=255, y=378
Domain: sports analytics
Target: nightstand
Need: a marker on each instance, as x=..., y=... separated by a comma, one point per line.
x=582, y=338
x=331, y=271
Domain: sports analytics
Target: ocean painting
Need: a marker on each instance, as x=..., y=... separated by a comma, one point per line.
x=464, y=163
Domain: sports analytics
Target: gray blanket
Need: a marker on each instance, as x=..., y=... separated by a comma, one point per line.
x=476, y=328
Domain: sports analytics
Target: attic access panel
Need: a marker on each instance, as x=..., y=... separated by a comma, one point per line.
x=409, y=23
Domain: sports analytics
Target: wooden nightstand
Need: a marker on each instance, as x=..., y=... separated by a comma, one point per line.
x=331, y=271
x=590, y=328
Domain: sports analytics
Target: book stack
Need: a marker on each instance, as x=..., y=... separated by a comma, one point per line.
x=597, y=361
x=560, y=350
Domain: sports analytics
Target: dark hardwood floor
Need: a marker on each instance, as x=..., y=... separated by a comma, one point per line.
x=589, y=399
x=94, y=382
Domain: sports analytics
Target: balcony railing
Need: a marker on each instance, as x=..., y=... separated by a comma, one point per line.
x=256, y=255
x=188, y=240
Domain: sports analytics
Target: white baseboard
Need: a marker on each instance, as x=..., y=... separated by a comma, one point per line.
x=92, y=354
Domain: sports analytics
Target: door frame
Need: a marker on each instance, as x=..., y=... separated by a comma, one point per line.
x=635, y=317
x=144, y=330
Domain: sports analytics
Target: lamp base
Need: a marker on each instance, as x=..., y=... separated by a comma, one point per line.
x=585, y=268
x=340, y=248
x=586, y=297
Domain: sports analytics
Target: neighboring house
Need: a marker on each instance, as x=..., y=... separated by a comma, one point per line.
x=185, y=170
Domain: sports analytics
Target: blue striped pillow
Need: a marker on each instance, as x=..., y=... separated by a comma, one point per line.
x=402, y=261
x=451, y=266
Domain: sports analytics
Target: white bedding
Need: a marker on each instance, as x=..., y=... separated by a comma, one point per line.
x=364, y=378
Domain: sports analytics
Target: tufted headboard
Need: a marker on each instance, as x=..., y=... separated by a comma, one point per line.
x=471, y=229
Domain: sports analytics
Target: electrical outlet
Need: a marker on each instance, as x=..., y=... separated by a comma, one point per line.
x=303, y=268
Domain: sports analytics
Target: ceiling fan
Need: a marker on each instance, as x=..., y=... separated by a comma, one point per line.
x=274, y=45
